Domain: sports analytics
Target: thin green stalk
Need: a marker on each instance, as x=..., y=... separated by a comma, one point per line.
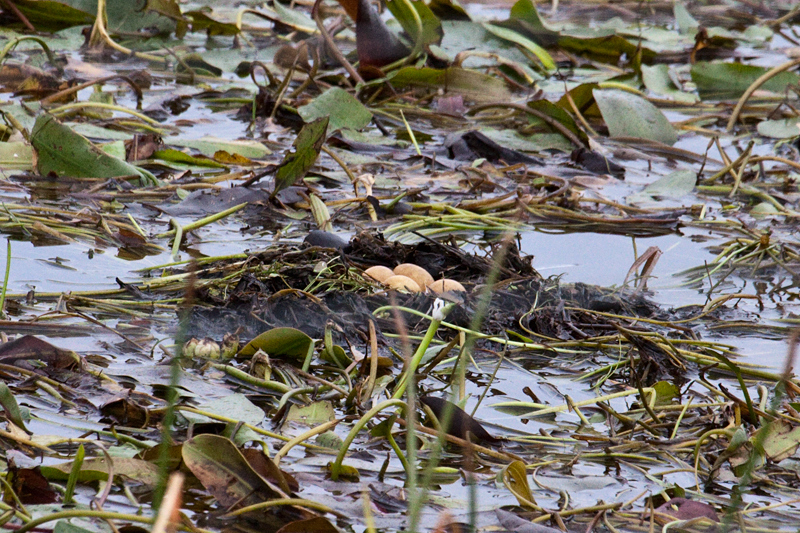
x=5, y=279
x=336, y=468
x=72, y=481
x=99, y=105
x=85, y=513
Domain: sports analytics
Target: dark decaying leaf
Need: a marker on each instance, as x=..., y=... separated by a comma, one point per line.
x=596, y=163
x=27, y=79
x=30, y=348
x=512, y=522
x=267, y=469
x=296, y=164
x=317, y=524
x=460, y=422
x=683, y=509
x=225, y=472
x=124, y=412
x=97, y=469
x=475, y=145
x=453, y=80
x=30, y=486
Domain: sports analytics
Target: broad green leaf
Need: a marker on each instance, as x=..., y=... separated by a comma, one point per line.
x=317, y=524
x=65, y=153
x=224, y=472
x=76, y=524
x=516, y=38
x=307, y=145
x=536, y=142
x=209, y=146
x=782, y=441
x=657, y=79
x=329, y=440
x=674, y=185
x=96, y=469
x=583, y=98
x=555, y=112
x=198, y=65
x=515, y=478
x=176, y=156
x=294, y=18
x=448, y=10
x=470, y=83
x=342, y=109
x=779, y=129
x=10, y=406
x=16, y=156
x=62, y=526
x=719, y=81
x=279, y=341
x=608, y=49
x=52, y=14
x=235, y=406
x=763, y=209
x=666, y=392
x=202, y=22
x=123, y=15
x=525, y=15
x=431, y=26
x=686, y=22
x=629, y=115
x=312, y=415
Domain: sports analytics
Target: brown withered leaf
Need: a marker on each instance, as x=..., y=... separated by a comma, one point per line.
x=142, y=146
x=267, y=469
x=26, y=79
x=30, y=348
x=317, y=524
x=30, y=486
x=125, y=412
x=683, y=509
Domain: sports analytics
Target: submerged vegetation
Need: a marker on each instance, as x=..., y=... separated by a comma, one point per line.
x=293, y=290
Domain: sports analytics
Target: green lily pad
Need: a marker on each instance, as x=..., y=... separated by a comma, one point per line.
x=629, y=115
x=342, y=109
x=716, y=80
x=784, y=128
x=307, y=145
x=64, y=153
x=279, y=341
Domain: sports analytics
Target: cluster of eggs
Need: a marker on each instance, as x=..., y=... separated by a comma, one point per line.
x=412, y=278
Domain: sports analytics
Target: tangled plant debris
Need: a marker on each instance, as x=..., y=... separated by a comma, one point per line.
x=270, y=266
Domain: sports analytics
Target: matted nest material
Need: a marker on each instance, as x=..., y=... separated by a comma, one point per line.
x=441, y=260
